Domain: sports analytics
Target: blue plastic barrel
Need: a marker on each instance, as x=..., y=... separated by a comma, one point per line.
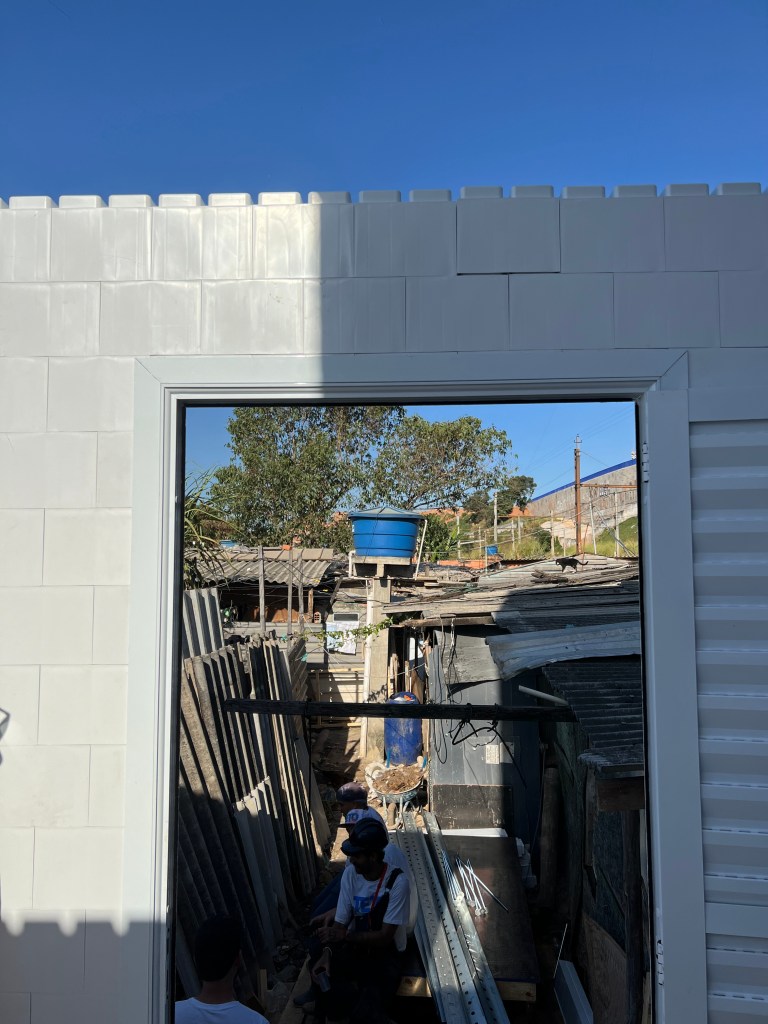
x=402, y=736
x=385, y=532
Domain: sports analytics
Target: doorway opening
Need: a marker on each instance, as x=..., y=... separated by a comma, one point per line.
x=346, y=569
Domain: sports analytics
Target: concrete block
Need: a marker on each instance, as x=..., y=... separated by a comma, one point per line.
x=329, y=197
x=738, y=188
x=49, y=320
x=583, y=192
x=82, y=704
x=511, y=236
x=457, y=314
x=666, y=310
x=15, y=1007
x=612, y=235
x=252, y=316
x=430, y=195
x=481, y=192
x=23, y=395
x=48, y=470
x=16, y=851
x=78, y=867
x=183, y=200
x=87, y=547
x=106, y=800
x=357, y=315
x=382, y=196
x=292, y=241
x=728, y=232
x=687, y=190
x=90, y=394
x=150, y=318
x=21, y=547
x=279, y=198
x=31, y=939
x=561, y=311
x=177, y=241
x=45, y=787
x=25, y=244
x=227, y=240
x=46, y=625
x=744, y=308
x=114, y=470
x=100, y=245
x=20, y=699
x=532, y=192
x=110, y=625
x=405, y=239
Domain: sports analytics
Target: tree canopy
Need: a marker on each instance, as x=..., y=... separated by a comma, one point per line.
x=294, y=469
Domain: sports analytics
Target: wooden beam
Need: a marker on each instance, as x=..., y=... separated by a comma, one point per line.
x=621, y=794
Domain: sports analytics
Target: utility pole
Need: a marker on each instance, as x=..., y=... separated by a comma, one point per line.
x=616, y=524
x=495, y=517
x=262, y=595
x=552, y=530
x=577, y=488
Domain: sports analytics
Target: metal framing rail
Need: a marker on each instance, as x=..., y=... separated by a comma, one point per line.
x=453, y=712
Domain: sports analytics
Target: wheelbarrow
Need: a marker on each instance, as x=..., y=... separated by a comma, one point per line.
x=400, y=802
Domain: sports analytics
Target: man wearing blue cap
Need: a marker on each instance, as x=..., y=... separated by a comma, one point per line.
x=360, y=965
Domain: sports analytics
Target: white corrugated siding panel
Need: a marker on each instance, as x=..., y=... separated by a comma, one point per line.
x=729, y=485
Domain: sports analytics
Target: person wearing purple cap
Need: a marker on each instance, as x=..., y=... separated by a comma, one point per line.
x=352, y=796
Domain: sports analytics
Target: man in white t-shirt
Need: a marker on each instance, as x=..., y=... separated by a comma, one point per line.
x=218, y=957
x=360, y=966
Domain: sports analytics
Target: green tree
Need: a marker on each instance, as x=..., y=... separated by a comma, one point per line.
x=294, y=467
x=440, y=538
x=514, y=491
x=437, y=465
x=204, y=524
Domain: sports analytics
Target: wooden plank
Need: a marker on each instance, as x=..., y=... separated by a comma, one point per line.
x=621, y=794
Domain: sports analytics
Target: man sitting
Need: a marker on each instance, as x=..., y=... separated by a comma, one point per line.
x=359, y=968
x=218, y=957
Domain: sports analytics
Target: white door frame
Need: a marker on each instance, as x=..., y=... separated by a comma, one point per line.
x=656, y=379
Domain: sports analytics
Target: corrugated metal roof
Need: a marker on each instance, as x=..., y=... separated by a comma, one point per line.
x=607, y=698
x=241, y=565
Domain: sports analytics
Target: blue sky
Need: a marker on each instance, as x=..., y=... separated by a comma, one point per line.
x=542, y=435
x=251, y=96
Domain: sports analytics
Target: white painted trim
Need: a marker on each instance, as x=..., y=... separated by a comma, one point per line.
x=713, y=405
x=164, y=384
x=672, y=749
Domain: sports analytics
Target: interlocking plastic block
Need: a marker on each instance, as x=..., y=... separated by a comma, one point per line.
x=666, y=310
x=182, y=201
x=40, y=319
x=227, y=240
x=397, y=239
x=686, y=190
x=230, y=199
x=80, y=202
x=583, y=192
x=508, y=236
x=561, y=311
x=598, y=235
x=633, y=191
x=3, y=204
x=329, y=197
x=738, y=188
x=430, y=195
x=482, y=192
x=150, y=318
x=354, y=315
x=532, y=192
x=241, y=317
x=130, y=202
x=392, y=196
x=31, y=203
x=303, y=240
x=279, y=198
x=457, y=314
x=90, y=243
x=727, y=232
x=744, y=308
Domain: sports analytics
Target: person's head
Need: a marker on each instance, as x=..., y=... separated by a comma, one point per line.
x=351, y=796
x=217, y=948
x=365, y=846
x=357, y=814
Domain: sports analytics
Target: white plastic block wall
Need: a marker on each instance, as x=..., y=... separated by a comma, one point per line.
x=666, y=310
x=354, y=315
x=555, y=311
x=49, y=319
x=508, y=236
x=457, y=314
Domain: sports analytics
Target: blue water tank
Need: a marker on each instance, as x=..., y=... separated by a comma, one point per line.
x=385, y=532
x=402, y=736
